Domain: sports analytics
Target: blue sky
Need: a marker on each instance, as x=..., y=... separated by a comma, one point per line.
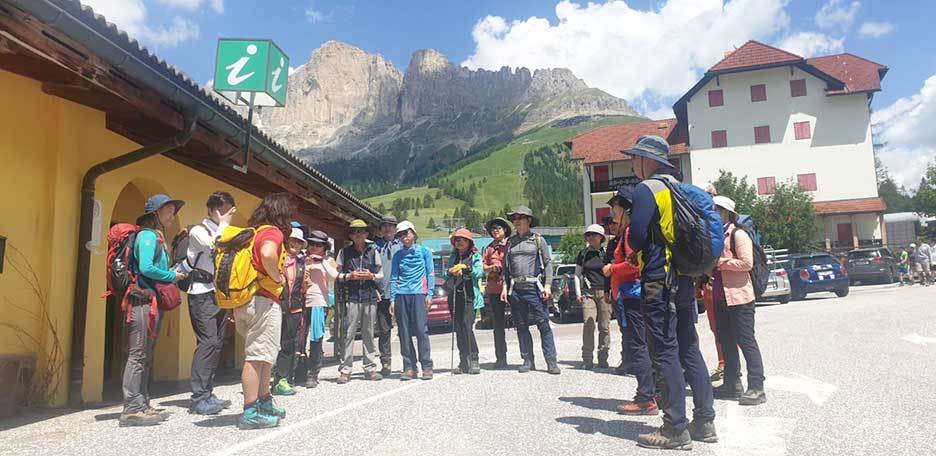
x=646, y=51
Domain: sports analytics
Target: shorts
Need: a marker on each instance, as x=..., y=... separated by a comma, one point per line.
x=922, y=266
x=259, y=322
x=903, y=269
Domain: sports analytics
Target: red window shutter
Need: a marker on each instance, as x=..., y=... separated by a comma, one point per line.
x=601, y=213
x=716, y=98
x=758, y=93
x=766, y=185
x=719, y=138
x=798, y=88
x=762, y=134
x=601, y=173
x=802, y=130
x=807, y=182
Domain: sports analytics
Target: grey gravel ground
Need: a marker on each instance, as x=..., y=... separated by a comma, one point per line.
x=841, y=379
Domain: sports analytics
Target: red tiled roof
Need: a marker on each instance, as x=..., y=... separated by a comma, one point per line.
x=850, y=206
x=755, y=54
x=858, y=74
x=605, y=144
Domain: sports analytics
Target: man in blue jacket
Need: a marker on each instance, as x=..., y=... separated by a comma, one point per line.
x=387, y=246
x=412, y=282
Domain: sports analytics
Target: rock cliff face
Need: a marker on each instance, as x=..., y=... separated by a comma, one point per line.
x=346, y=106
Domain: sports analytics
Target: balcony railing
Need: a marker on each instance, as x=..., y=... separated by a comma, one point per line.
x=613, y=184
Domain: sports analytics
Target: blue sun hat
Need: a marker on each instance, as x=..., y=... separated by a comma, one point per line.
x=652, y=147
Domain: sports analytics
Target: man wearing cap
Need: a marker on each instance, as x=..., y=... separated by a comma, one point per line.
x=492, y=262
x=143, y=321
x=671, y=332
x=590, y=284
x=387, y=246
x=360, y=271
x=528, y=286
x=412, y=283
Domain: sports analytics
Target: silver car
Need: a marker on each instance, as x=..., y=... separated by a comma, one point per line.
x=778, y=284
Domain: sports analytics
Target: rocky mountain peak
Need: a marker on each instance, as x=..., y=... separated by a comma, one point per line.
x=427, y=62
x=553, y=81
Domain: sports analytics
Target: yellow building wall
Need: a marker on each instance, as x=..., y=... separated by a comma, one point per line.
x=46, y=146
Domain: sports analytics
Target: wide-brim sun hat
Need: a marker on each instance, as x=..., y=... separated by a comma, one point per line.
x=623, y=194
x=498, y=221
x=405, y=225
x=524, y=211
x=725, y=203
x=297, y=233
x=317, y=237
x=652, y=147
x=596, y=229
x=157, y=202
x=388, y=219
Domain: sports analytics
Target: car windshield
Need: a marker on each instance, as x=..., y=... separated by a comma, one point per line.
x=815, y=261
x=862, y=255
x=563, y=270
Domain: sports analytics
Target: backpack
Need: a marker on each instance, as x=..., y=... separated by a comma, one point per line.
x=180, y=245
x=699, y=234
x=236, y=279
x=120, y=275
x=760, y=273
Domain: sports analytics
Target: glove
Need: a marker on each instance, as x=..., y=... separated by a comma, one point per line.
x=458, y=269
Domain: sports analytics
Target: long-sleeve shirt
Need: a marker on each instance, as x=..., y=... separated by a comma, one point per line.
x=152, y=258
x=625, y=276
x=386, y=250
x=378, y=276
x=319, y=273
x=523, y=259
x=412, y=272
x=494, y=256
x=651, y=216
x=199, y=254
x=473, y=274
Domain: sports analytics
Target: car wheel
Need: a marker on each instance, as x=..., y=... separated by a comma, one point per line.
x=784, y=299
x=798, y=296
x=889, y=278
x=842, y=292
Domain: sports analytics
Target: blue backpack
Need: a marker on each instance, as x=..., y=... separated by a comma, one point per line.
x=760, y=273
x=700, y=238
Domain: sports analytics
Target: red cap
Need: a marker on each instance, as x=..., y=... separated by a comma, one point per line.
x=463, y=233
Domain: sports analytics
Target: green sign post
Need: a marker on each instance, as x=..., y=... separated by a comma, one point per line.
x=251, y=72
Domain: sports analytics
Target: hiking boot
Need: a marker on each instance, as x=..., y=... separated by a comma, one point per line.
x=427, y=374
x=527, y=366
x=703, y=431
x=373, y=376
x=588, y=364
x=206, y=407
x=728, y=391
x=224, y=403
x=753, y=396
x=138, y=419
x=269, y=408
x=603, y=364
x=312, y=381
x=161, y=413
x=553, y=368
x=717, y=375
x=632, y=408
x=666, y=438
x=283, y=388
x=474, y=368
x=386, y=371
x=408, y=374
x=344, y=378
x=461, y=369
x=253, y=418
x=500, y=364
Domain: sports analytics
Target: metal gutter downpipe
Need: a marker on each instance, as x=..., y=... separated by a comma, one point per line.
x=82, y=270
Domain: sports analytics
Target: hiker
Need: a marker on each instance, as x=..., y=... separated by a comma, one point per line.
x=359, y=272
x=150, y=261
x=412, y=283
x=528, y=287
x=493, y=264
x=612, y=228
x=733, y=293
x=463, y=279
x=387, y=246
x=259, y=321
x=624, y=275
x=652, y=215
x=923, y=258
x=320, y=270
x=903, y=267
x=590, y=287
x=208, y=320
x=705, y=292
x=292, y=302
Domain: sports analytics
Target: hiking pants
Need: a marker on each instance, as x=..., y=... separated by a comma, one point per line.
x=624, y=322
x=638, y=353
x=529, y=310
x=301, y=371
x=660, y=317
x=736, y=329
x=499, y=309
x=690, y=356
x=595, y=308
x=412, y=317
x=361, y=315
x=208, y=321
x=384, y=330
x=288, y=356
x=141, y=346
x=463, y=320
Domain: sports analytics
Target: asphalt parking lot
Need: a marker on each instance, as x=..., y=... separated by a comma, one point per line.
x=845, y=376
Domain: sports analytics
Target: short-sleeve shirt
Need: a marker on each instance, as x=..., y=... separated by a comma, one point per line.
x=267, y=234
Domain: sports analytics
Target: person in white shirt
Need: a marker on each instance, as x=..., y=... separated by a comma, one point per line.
x=924, y=255
x=208, y=320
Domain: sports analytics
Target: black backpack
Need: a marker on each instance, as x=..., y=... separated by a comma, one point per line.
x=760, y=273
x=180, y=245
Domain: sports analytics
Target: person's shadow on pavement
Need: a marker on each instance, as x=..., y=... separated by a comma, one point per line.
x=622, y=429
x=593, y=403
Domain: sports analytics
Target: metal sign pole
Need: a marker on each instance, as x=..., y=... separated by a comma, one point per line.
x=243, y=168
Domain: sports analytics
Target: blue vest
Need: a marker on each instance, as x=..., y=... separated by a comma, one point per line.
x=359, y=291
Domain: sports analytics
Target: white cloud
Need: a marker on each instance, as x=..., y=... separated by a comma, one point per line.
x=193, y=5
x=218, y=6
x=810, y=44
x=875, y=29
x=132, y=17
x=179, y=31
x=315, y=16
x=837, y=14
x=905, y=129
x=129, y=15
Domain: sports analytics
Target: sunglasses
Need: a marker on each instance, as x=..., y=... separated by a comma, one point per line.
x=358, y=231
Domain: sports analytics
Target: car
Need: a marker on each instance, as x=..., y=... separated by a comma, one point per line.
x=875, y=264
x=778, y=284
x=817, y=272
x=565, y=303
x=439, y=314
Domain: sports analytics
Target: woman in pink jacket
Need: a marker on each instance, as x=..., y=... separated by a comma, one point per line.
x=733, y=295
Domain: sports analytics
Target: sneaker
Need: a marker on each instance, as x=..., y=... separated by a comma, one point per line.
x=603, y=364
x=527, y=366
x=224, y=403
x=283, y=388
x=553, y=368
x=161, y=413
x=427, y=374
x=386, y=371
x=500, y=364
x=253, y=418
x=703, y=431
x=717, y=375
x=474, y=368
x=138, y=419
x=633, y=408
x=206, y=407
x=268, y=407
x=728, y=391
x=312, y=382
x=408, y=374
x=666, y=438
x=753, y=396
x=460, y=369
x=373, y=376
x=344, y=378
x=588, y=365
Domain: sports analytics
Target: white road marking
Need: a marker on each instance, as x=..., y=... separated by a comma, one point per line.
x=818, y=391
x=739, y=435
x=918, y=339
